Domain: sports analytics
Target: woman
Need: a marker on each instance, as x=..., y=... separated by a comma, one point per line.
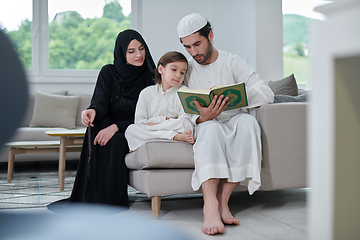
x=103, y=177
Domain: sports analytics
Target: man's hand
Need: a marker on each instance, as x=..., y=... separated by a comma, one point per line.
x=216, y=107
x=105, y=135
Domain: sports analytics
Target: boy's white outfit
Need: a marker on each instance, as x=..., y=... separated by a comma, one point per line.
x=229, y=146
x=155, y=105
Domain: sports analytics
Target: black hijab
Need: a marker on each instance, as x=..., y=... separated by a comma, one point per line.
x=130, y=79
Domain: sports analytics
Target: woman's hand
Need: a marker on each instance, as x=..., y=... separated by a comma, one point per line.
x=216, y=107
x=88, y=116
x=103, y=137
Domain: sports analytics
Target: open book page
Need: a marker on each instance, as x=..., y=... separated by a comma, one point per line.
x=188, y=100
x=236, y=93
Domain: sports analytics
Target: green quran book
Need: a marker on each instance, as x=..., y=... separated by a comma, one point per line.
x=236, y=93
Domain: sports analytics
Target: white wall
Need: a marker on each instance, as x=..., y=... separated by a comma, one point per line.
x=72, y=86
x=269, y=39
x=252, y=29
x=334, y=124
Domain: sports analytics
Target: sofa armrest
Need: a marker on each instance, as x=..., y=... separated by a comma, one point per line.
x=283, y=129
x=304, y=91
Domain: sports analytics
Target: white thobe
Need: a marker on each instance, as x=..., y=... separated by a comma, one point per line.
x=154, y=105
x=228, y=147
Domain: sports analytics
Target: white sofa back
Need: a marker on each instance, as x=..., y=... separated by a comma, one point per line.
x=26, y=133
x=84, y=103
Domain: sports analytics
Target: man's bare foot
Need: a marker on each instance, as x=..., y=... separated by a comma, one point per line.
x=186, y=136
x=212, y=221
x=227, y=217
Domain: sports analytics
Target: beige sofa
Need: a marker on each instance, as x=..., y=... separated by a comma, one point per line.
x=26, y=133
x=165, y=167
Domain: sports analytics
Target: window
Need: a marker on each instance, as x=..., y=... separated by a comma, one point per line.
x=82, y=33
x=65, y=37
x=18, y=27
x=298, y=15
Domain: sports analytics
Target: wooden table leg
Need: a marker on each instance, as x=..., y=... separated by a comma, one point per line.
x=62, y=161
x=155, y=206
x=10, y=173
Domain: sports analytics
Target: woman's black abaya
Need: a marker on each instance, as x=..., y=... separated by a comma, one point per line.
x=103, y=178
x=108, y=178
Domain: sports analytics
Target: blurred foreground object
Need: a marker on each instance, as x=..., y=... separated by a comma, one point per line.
x=84, y=222
x=13, y=90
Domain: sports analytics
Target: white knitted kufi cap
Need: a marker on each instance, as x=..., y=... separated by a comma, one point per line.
x=190, y=24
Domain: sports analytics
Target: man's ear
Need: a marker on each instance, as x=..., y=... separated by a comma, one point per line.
x=160, y=69
x=211, y=36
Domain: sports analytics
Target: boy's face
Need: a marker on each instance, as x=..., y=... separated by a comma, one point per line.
x=199, y=47
x=172, y=75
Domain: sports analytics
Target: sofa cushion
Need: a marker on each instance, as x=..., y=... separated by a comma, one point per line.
x=30, y=108
x=51, y=110
x=287, y=98
x=84, y=103
x=161, y=154
x=285, y=86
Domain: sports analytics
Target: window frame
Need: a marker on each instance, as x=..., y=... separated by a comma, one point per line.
x=40, y=71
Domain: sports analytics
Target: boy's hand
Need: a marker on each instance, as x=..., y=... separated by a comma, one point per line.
x=151, y=123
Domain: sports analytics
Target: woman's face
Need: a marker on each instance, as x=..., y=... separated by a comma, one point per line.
x=135, y=53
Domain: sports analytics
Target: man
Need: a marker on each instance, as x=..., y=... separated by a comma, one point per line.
x=227, y=150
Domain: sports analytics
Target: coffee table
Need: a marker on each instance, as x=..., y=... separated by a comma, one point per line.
x=22, y=147
x=68, y=139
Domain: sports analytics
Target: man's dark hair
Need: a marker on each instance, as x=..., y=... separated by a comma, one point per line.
x=205, y=30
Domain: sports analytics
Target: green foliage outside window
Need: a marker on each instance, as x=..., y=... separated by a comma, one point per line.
x=113, y=11
x=297, y=49
x=74, y=42
x=22, y=42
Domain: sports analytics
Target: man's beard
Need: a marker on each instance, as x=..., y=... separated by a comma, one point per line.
x=207, y=54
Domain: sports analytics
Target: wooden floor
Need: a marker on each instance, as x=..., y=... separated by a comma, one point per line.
x=264, y=215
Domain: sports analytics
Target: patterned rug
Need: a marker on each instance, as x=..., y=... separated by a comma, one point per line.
x=28, y=190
